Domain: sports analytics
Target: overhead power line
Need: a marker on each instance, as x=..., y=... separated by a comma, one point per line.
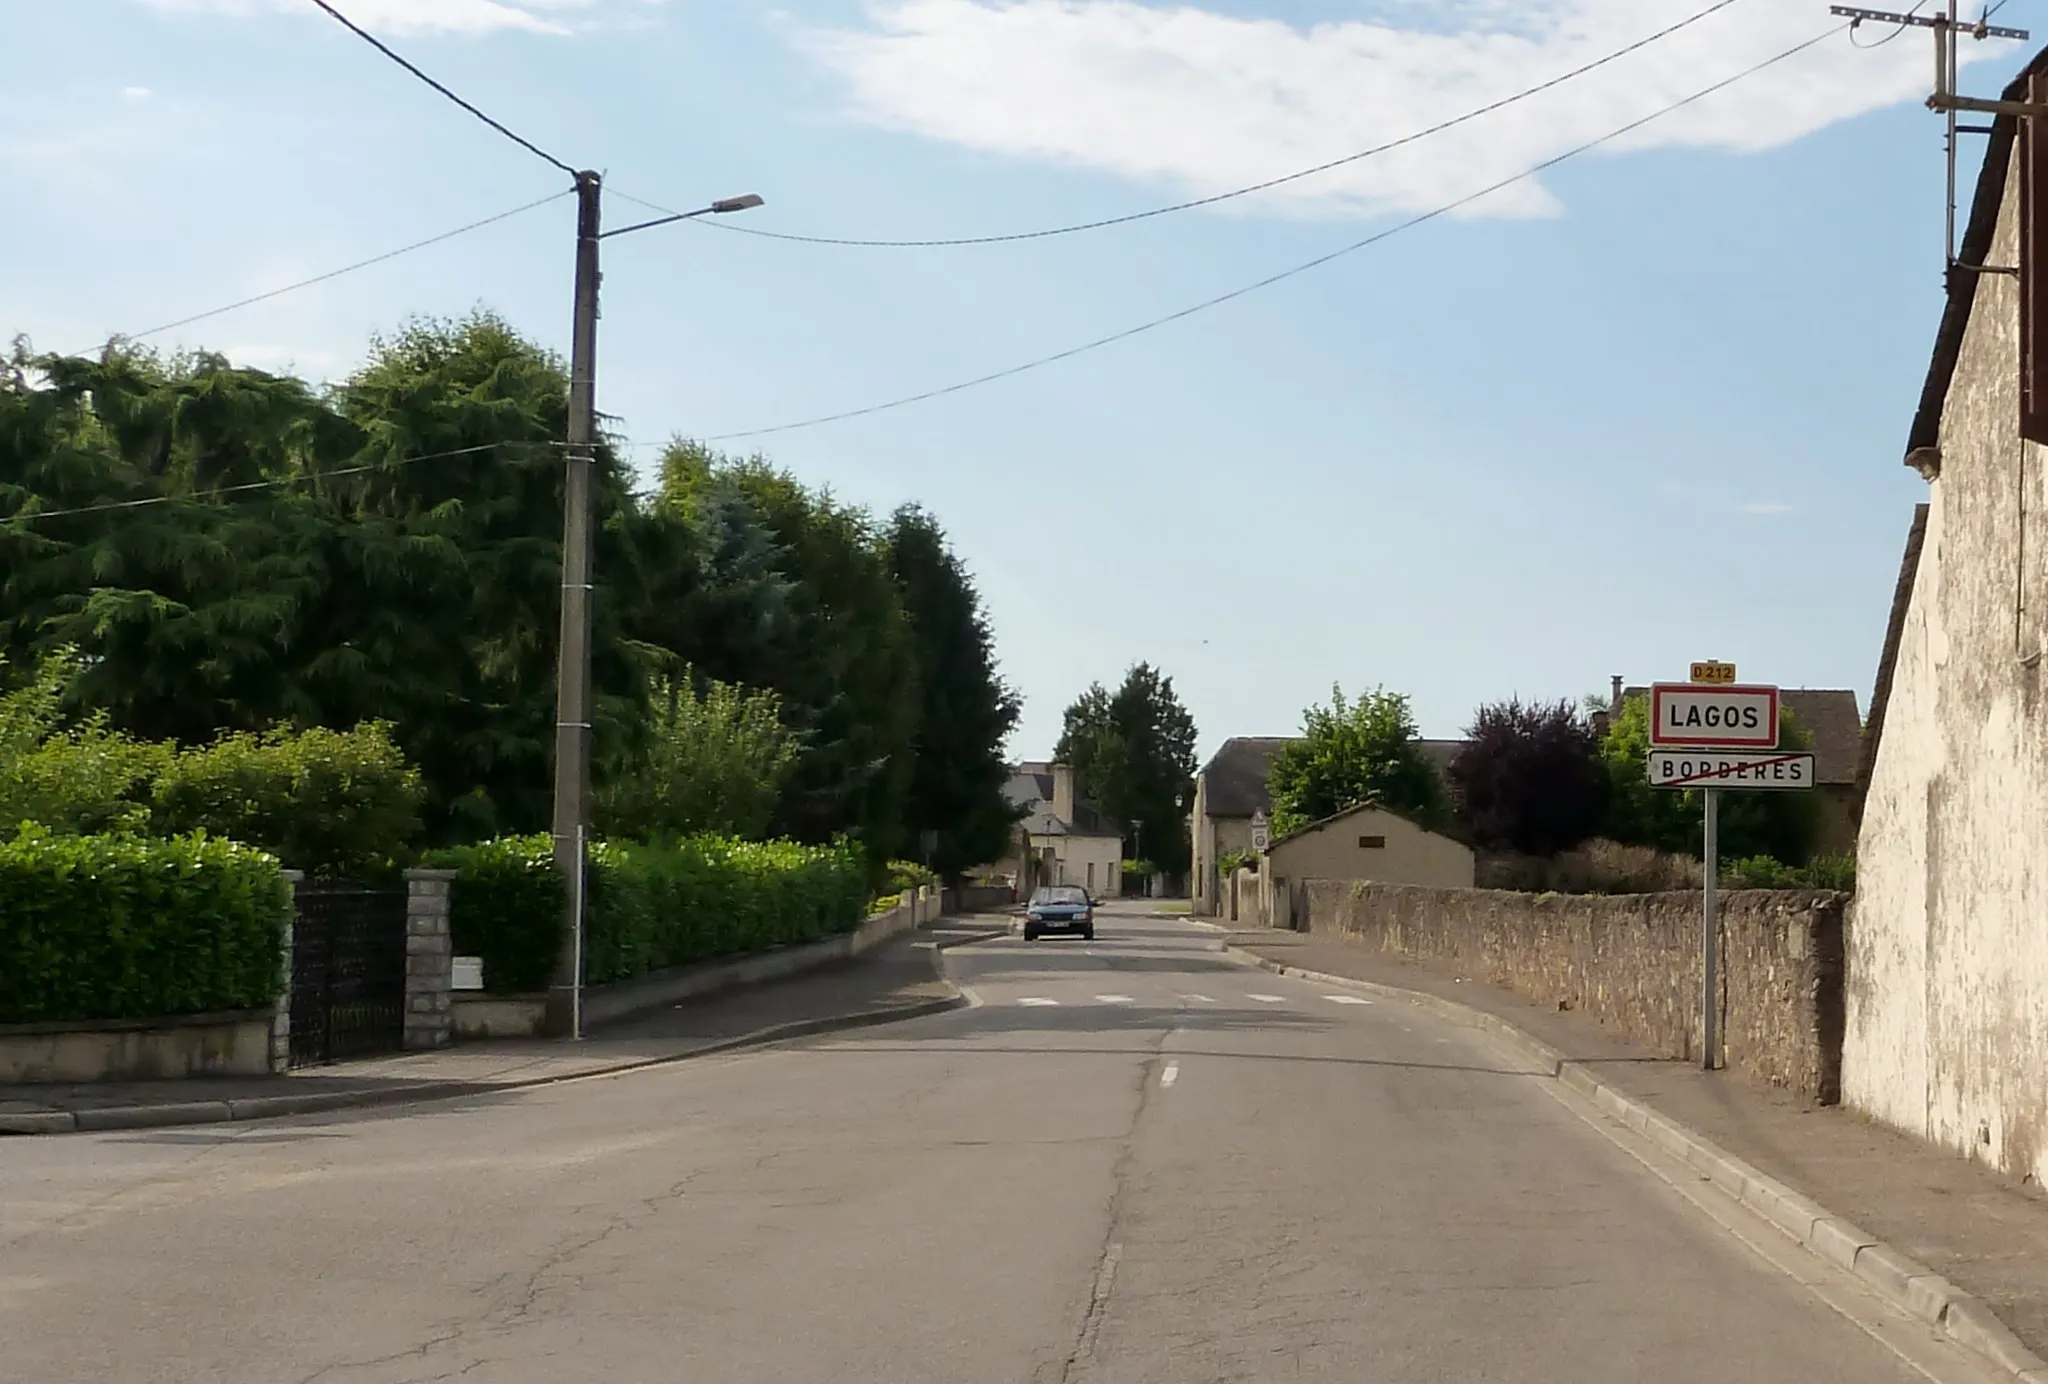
x=381, y=47
x=1285, y=274
x=279, y=292
x=1234, y=193
x=148, y=501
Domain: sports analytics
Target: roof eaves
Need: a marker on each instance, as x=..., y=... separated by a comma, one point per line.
x=1894, y=635
x=1450, y=831
x=1923, y=441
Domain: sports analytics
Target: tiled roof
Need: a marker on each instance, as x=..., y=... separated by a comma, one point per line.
x=1442, y=752
x=1235, y=778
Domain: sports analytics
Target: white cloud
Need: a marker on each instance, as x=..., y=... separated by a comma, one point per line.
x=408, y=16
x=1768, y=509
x=1207, y=102
x=135, y=93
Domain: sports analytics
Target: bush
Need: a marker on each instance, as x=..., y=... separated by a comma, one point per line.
x=506, y=905
x=324, y=801
x=82, y=782
x=1529, y=778
x=1597, y=867
x=716, y=761
x=78, y=779
x=121, y=927
x=1232, y=861
x=904, y=876
x=648, y=907
x=1767, y=872
x=709, y=896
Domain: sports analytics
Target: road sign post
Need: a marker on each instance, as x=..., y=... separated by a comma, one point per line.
x=1260, y=831
x=1716, y=735
x=1710, y=937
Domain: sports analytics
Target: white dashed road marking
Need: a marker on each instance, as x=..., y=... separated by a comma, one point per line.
x=1199, y=999
x=1170, y=1075
x=1346, y=999
x=1268, y=999
x=1035, y=1001
x=1114, y=999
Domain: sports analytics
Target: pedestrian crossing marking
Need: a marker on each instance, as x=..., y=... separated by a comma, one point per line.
x=1268, y=999
x=1036, y=1001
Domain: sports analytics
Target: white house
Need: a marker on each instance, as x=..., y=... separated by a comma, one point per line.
x=1074, y=843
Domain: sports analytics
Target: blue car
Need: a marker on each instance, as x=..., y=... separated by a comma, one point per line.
x=1059, y=908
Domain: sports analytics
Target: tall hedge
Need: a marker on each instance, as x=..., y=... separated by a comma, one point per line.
x=124, y=927
x=649, y=907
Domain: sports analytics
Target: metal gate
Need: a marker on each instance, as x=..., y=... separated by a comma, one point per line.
x=348, y=972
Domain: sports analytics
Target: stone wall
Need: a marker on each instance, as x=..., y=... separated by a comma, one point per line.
x=1631, y=962
x=236, y=1043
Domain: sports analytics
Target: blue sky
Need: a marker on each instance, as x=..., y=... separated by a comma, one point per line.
x=1646, y=408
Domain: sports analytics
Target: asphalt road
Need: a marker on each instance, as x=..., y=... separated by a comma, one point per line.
x=1133, y=1161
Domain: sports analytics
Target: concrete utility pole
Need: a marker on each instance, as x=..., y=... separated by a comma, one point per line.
x=571, y=822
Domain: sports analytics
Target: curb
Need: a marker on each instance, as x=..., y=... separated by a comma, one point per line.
x=1903, y=1282
x=118, y=1117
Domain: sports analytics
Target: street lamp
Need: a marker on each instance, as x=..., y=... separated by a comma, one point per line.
x=572, y=687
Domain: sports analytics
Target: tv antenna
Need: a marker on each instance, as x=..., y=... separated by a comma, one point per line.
x=1948, y=34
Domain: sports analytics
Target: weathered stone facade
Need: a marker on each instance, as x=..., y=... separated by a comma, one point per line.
x=1948, y=955
x=429, y=961
x=1632, y=961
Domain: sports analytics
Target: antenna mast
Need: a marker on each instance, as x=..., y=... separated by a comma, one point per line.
x=1948, y=31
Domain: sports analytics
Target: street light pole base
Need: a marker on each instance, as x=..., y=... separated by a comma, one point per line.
x=559, y=1019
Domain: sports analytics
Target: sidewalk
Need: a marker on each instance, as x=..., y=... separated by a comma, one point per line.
x=899, y=979
x=1983, y=1232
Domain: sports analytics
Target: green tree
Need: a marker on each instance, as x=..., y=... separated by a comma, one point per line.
x=1784, y=826
x=1133, y=755
x=232, y=551
x=716, y=761
x=966, y=712
x=839, y=651
x=1530, y=778
x=1350, y=753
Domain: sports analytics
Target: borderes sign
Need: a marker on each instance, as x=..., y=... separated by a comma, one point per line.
x=1690, y=716
x=1752, y=769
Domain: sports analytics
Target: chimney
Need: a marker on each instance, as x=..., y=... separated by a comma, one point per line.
x=1614, y=702
x=1063, y=792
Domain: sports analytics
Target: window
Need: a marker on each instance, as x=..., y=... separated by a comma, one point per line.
x=1091, y=876
x=2033, y=256
x=1372, y=843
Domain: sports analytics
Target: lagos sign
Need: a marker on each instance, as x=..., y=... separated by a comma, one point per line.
x=1685, y=716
